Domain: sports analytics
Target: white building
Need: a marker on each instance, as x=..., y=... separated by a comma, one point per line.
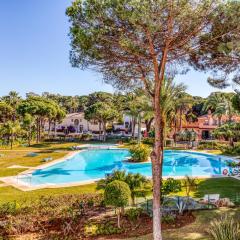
x=76, y=123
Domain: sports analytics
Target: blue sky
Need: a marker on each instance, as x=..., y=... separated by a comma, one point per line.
x=34, y=53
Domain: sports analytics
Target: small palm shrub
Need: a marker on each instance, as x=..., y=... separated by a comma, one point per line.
x=140, y=153
x=133, y=214
x=168, y=218
x=225, y=228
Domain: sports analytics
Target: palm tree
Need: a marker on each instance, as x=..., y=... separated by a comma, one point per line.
x=183, y=103
x=228, y=131
x=172, y=101
x=29, y=126
x=220, y=104
x=190, y=184
x=136, y=183
x=10, y=129
x=138, y=107
x=12, y=99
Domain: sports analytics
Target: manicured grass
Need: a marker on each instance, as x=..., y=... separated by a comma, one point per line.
x=12, y=194
x=43, y=145
x=226, y=187
x=196, y=230
x=18, y=156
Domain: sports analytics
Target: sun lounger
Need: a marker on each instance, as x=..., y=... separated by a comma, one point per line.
x=47, y=159
x=32, y=154
x=211, y=198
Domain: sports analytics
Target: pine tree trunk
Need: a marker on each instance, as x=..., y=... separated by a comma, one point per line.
x=100, y=130
x=139, y=128
x=55, y=131
x=157, y=153
x=29, y=135
x=133, y=127
x=118, y=218
x=49, y=127
x=104, y=131
x=11, y=141
x=180, y=119
x=157, y=159
x=38, y=123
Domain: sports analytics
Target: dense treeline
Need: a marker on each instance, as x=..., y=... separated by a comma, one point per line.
x=24, y=118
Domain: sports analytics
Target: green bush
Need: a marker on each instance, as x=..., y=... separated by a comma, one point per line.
x=168, y=218
x=225, y=228
x=210, y=145
x=171, y=185
x=107, y=228
x=9, y=208
x=86, y=137
x=117, y=194
x=140, y=153
x=133, y=214
x=229, y=150
x=149, y=141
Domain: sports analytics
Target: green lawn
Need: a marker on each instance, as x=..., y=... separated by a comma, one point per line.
x=226, y=187
x=11, y=194
x=18, y=156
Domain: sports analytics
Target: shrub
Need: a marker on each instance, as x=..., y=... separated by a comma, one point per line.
x=149, y=141
x=86, y=137
x=133, y=214
x=231, y=150
x=210, y=145
x=190, y=184
x=139, y=185
x=225, y=228
x=117, y=194
x=168, y=218
x=9, y=208
x=107, y=228
x=139, y=153
x=171, y=185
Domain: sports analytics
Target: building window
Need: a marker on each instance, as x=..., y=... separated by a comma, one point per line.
x=206, y=122
x=81, y=128
x=76, y=122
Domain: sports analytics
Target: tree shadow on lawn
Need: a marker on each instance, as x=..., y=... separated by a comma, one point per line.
x=226, y=187
x=53, y=146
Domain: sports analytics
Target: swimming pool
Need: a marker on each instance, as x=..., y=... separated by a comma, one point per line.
x=96, y=163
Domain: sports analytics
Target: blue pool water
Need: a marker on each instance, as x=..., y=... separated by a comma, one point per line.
x=95, y=164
